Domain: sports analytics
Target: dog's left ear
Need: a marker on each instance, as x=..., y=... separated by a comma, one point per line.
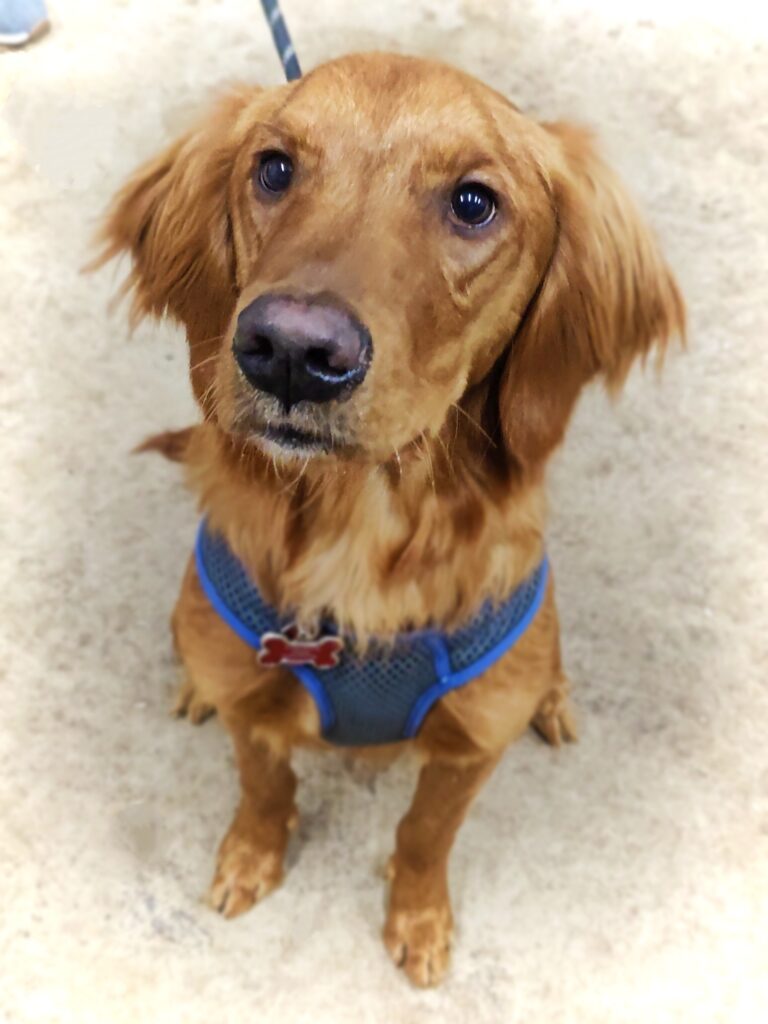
x=606, y=297
x=172, y=218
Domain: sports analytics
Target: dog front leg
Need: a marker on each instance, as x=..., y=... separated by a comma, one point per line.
x=419, y=923
x=250, y=859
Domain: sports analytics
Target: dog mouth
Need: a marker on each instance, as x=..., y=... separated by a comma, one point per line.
x=303, y=434
x=291, y=439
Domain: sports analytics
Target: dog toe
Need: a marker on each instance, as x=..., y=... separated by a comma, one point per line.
x=419, y=942
x=554, y=719
x=244, y=876
x=190, y=705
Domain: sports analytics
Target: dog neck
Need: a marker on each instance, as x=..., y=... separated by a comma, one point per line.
x=422, y=540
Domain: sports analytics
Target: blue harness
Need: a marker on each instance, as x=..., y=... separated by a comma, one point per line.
x=384, y=696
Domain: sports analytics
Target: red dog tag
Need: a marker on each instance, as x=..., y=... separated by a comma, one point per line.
x=279, y=649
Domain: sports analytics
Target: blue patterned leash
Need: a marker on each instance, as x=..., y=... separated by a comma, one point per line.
x=282, y=39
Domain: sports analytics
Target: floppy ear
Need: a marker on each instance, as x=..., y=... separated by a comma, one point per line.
x=172, y=217
x=606, y=297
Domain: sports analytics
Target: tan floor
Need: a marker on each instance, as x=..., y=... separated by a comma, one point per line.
x=624, y=880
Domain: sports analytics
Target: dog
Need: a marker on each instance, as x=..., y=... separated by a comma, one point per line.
x=394, y=287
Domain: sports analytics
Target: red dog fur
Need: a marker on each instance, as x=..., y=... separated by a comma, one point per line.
x=432, y=497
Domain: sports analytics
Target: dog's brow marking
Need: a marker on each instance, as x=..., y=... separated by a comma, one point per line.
x=463, y=282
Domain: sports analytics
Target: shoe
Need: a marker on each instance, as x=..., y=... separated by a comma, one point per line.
x=21, y=21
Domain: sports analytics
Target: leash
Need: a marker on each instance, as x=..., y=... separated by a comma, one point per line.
x=282, y=38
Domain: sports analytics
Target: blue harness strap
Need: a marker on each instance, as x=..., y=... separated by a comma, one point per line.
x=384, y=696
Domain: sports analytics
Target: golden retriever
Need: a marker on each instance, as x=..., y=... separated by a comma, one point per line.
x=394, y=287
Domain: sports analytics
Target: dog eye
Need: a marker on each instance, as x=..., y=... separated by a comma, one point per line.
x=275, y=172
x=473, y=204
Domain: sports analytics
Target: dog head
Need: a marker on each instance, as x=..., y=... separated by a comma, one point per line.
x=362, y=255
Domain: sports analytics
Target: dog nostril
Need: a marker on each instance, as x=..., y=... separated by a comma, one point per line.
x=262, y=347
x=318, y=360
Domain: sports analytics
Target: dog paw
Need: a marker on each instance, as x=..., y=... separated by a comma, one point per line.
x=245, y=874
x=419, y=941
x=554, y=720
x=190, y=705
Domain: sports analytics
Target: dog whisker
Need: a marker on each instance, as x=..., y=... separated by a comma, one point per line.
x=399, y=462
x=204, y=362
x=207, y=341
x=208, y=392
x=475, y=424
x=426, y=452
x=448, y=455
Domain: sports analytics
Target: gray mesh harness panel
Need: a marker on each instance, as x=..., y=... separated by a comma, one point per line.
x=384, y=696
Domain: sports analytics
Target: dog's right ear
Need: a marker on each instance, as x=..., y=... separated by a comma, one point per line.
x=172, y=217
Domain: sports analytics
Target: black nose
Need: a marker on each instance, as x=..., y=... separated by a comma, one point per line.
x=301, y=349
